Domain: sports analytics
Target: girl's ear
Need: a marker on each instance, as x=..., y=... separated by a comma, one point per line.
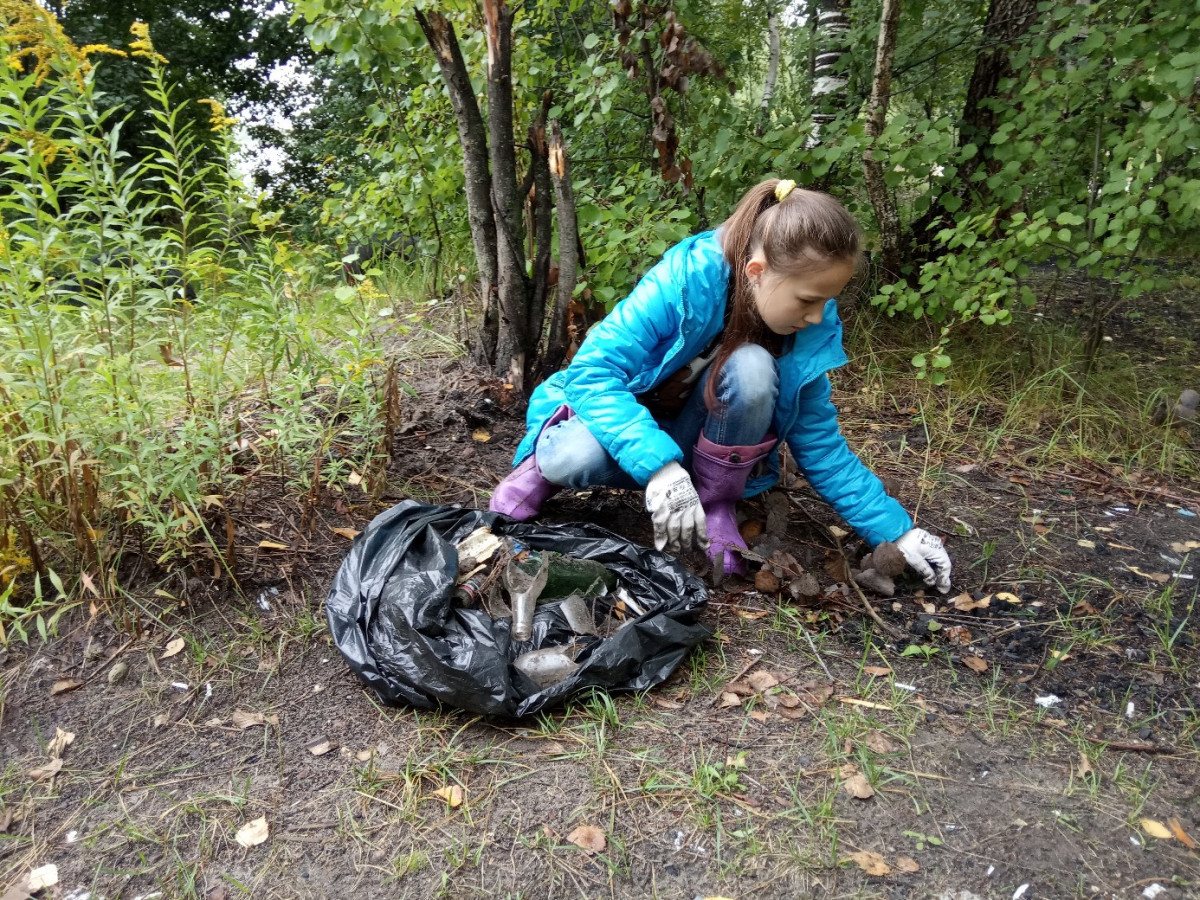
x=755, y=267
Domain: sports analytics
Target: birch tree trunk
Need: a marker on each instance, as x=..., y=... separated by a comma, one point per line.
x=882, y=199
x=830, y=83
x=772, y=71
x=512, y=338
x=472, y=136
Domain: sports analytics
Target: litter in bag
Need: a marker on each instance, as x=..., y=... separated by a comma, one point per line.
x=392, y=614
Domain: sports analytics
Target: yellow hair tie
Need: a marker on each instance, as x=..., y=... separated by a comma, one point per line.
x=784, y=188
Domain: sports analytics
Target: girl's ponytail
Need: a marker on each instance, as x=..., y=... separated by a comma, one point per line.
x=802, y=229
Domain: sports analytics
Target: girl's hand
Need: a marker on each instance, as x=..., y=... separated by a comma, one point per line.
x=926, y=554
x=675, y=509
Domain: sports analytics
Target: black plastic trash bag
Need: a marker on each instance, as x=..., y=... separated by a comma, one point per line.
x=391, y=615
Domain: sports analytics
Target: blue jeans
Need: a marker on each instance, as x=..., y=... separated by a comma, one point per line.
x=568, y=454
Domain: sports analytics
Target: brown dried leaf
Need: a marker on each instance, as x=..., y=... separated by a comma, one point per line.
x=60, y=742
x=857, y=786
x=740, y=688
x=762, y=680
x=589, y=837
x=1180, y=835
x=253, y=833
x=243, y=719
x=877, y=743
x=877, y=670
x=759, y=715
x=751, y=615
x=481, y=435
x=975, y=664
x=272, y=545
x=1156, y=577
x=63, y=685
x=1085, y=767
x=348, y=533
x=866, y=704
x=174, y=648
x=728, y=699
x=813, y=693
x=964, y=602
x=907, y=864
x=663, y=703
x=870, y=862
x=49, y=770
x=453, y=795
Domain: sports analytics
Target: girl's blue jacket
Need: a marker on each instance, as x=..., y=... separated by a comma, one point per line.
x=667, y=321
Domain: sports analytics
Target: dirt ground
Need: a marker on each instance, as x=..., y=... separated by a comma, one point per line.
x=1033, y=734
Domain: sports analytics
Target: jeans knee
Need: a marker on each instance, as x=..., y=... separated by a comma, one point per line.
x=750, y=378
x=570, y=456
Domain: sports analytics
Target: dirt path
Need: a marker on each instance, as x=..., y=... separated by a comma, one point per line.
x=1065, y=767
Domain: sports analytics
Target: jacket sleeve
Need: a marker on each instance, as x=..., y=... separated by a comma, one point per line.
x=630, y=340
x=839, y=476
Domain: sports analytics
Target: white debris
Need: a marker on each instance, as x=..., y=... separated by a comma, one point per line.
x=179, y=685
x=1129, y=710
x=1153, y=891
x=207, y=690
x=1047, y=701
x=989, y=872
x=43, y=877
x=911, y=688
x=72, y=837
x=1020, y=892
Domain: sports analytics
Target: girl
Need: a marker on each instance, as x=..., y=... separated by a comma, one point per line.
x=720, y=351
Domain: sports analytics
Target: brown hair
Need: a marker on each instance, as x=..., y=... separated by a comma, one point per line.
x=806, y=229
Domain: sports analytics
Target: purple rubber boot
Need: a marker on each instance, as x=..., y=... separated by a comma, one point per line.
x=720, y=475
x=523, y=491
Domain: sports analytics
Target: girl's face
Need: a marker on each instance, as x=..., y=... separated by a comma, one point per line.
x=789, y=303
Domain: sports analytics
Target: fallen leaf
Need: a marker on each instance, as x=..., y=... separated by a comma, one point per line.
x=1156, y=829
x=1185, y=546
x=348, y=533
x=751, y=615
x=272, y=545
x=364, y=755
x=964, y=602
x=877, y=743
x=1157, y=577
x=354, y=479
x=253, y=833
x=958, y=634
x=1113, y=545
x=929, y=608
x=857, y=786
x=453, y=795
x=243, y=719
x=1008, y=598
x=870, y=862
x=43, y=877
x=589, y=837
x=877, y=670
x=759, y=715
x=965, y=468
x=762, y=680
x=60, y=742
x=975, y=664
x=481, y=435
x=907, y=864
x=320, y=746
x=1180, y=835
x=728, y=699
x=49, y=770
x=174, y=648
x=814, y=693
x=663, y=703
x=65, y=684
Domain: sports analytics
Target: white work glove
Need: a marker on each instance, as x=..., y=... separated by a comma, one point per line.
x=927, y=556
x=675, y=509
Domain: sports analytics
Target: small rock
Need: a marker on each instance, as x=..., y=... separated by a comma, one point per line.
x=872, y=581
x=777, y=513
x=1189, y=399
x=766, y=581
x=887, y=560
x=805, y=587
x=118, y=672
x=1183, y=412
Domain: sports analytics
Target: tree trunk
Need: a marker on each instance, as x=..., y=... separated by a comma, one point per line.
x=830, y=83
x=1007, y=22
x=543, y=225
x=568, y=254
x=882, y=199
x=772, y=72
x=439, y=32
x=512, y=341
